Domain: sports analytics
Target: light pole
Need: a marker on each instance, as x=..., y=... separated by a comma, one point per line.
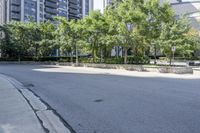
x=173, y=52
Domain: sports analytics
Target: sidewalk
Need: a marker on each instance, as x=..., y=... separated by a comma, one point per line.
x=16, y=116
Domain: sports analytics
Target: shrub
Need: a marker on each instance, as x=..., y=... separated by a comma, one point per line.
x=138, y=60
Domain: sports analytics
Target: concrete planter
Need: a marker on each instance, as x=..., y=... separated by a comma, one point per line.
x=176, y=70
x=139, y=68
x=164, y=69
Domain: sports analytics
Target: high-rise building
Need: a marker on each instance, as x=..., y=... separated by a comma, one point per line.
x=74, y=9
x=86, y=7
x=13, y=10
x=190, y=8
x=2, y=11
x=23, y=10
x=42, y=10
x=63, y=8
x=106, y=3
x=50, y=9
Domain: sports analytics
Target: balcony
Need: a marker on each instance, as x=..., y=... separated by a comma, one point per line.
x=51, y=5
x=74, y=2
x=73, y=17
x=48, y=16
x=72, y=11
x=16, y=2
x=15, y=16
x=54, y=1
x=73, y=6
x=51, y=11
x=15, y=9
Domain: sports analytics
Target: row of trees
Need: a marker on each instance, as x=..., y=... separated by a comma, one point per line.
x=138, y=27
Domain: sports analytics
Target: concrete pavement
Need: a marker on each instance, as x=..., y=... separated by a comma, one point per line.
x=23, y=112
x=16, y=116
x=115, y=101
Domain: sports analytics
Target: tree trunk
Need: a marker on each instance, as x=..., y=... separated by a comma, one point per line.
x=170, y=59
x=36, y=53
x=71, y=57
x=101, y=55
x=19, y=58
x=155, y=55
x=94, y=53
x=76, y=55
x=125, y=55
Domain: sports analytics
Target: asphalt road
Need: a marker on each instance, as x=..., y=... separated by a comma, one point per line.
x=102, y=103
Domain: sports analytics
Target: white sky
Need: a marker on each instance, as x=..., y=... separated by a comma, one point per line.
x=98, y=5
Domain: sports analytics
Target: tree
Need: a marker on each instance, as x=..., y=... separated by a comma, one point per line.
x=46, y=43
x=2, y=32
x=76, y=33
x=157, y=14
x=191, y=43
x=96, y=26
x=18, y=38
x=173, y=35
x=34, y=37
x=129, y=16
x=6, y=45
x=62, y=37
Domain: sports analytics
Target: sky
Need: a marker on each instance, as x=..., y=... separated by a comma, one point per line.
x=98, y=5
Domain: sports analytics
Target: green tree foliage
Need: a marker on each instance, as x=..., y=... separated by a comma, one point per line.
x=157, y=14
x=128, y=17
x=138, y=27
x=178, y=33
x=96, y=28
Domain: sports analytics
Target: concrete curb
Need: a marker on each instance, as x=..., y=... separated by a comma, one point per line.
x=48, y=118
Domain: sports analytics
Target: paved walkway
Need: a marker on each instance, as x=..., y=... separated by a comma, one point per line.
x=16, y=116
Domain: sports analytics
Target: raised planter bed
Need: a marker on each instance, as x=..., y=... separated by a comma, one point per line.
x=140, y=68
x=176, y=70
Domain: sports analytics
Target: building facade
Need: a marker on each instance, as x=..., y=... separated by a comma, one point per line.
x=50, y=9
x=43, y=10
x=63, y=7
x=74, y=9
x=22, y=10
x=86, y=7
x=106, y=3
x=2, y=11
